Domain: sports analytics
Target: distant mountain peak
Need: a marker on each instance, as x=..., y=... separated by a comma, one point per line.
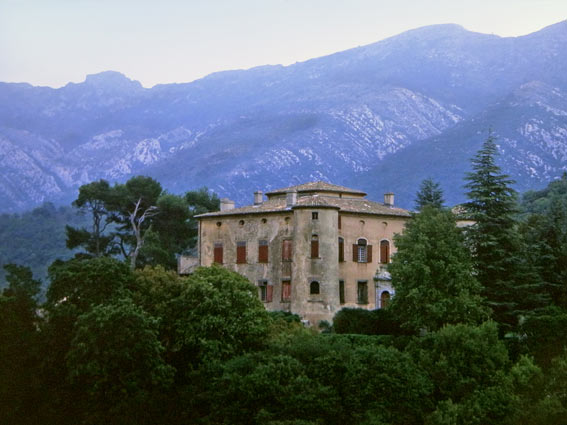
x=111, y=79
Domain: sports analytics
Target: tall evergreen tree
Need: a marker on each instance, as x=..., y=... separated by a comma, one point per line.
x=429, y=193
x=508, y=283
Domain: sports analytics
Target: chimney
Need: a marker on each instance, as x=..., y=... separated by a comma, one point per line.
x=258, y=197
x=226, y=204
x=389, y=199
x=291, y=198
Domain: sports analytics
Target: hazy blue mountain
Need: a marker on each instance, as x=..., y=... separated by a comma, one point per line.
x=379, y=117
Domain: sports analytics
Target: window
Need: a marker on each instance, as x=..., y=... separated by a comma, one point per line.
x=286, y=250
x=265, y=291
x=362, y=292
x=314, y=288
x=315, y=216
x=384, y=252
x=340, y=222
x=286, y=290
x=241, y=252
x=362, y=252
x=217, y=253
x=342, y=291
x=262, y=251
x=341, y=250
x=384, y=299
x=314, y=246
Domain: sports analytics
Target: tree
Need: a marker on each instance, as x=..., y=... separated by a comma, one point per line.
x=93, y=199
x=429, y=194
x=133, y=207
x=115, y=355
x=200, y=202
x=432, y=274
x=222, y=315
x=170, y=232
x=20, y=358
x=508, y=285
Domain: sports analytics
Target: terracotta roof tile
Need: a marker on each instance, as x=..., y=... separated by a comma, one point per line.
x=317, y=186
x=351, y=205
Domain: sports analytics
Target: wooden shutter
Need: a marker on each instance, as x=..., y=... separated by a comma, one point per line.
x=286, y=290
x=286, y=250
x=355, y=253
x=384, y=252
x=217, y=253
x=369, y=254
x=269, y=293
x=241, y=253
x=314, y=248
x=342, y=291
x=341, y=250
x=263, y=251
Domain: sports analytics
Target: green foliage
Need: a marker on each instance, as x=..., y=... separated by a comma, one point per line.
x=93, y=200
x=36, y=238
x=468, y=366
x=222, y=317
x=541, y=201
x=510, y=286
x=170, y=232
x=116, y=356
x=19, y=346
x=81, y=283
x=433, y=276
x=429, y=195
x=545, y=236
x=544, y=335
x=367, y=322
x=200, y=202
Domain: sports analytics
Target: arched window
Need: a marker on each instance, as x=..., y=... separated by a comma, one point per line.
x=362, y=252
x=384, y=299
x=314, y=246
x=384, y=252
x=314, y=288
x=341, y=250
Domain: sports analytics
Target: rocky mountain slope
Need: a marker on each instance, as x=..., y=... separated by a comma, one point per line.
x=380, y=117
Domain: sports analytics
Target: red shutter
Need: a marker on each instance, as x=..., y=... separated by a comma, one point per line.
x=355, y=253
x=269, y=293
x=384, y=252
x=314, y=249
x=286, y=290
x=286, y=250
x=217, y=254
x=341, y=250
x=241, y=254
x=262, y=253
x=369, y=254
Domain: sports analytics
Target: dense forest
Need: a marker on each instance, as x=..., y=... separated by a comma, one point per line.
x=476, y=333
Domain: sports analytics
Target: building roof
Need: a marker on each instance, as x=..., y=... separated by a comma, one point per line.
x=348, y=205
x=319, y=186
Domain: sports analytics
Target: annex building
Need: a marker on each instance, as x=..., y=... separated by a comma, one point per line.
x=311, y=249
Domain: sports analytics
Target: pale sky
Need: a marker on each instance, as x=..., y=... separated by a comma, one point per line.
x=53, y=42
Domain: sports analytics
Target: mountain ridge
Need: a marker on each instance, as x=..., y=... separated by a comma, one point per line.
x=345, y=117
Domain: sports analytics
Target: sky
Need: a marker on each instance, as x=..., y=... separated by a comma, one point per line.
x=53, y=42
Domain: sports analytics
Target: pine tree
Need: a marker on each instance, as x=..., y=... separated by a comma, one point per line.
x=429, y=194
x=509, y=285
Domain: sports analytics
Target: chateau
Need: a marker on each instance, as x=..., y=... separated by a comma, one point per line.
x=311, y=249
